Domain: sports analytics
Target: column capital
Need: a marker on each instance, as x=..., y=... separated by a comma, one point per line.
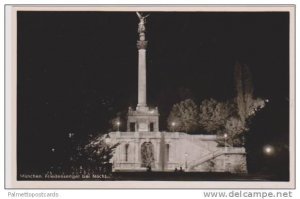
x=141, y=44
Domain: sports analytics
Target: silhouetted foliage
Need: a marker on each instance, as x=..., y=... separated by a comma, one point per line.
x=214, y=115
x=231, y=118
x=184, y=116
x=98, y=152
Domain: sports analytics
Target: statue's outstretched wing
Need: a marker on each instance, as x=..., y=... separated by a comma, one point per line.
x=139, y=15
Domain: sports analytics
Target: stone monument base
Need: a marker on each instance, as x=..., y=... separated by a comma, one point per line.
x=175, y=151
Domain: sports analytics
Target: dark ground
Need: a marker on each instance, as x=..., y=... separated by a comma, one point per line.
x=194, y=176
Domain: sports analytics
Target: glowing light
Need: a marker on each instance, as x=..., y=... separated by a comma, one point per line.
x=71, y=135
x=118, y=124
x=173, y=124
x=268, y=150
x=225, y=135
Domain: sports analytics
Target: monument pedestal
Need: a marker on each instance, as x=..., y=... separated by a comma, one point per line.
x=143, y=119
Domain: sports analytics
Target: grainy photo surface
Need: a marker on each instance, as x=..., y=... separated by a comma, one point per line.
x=153, y=96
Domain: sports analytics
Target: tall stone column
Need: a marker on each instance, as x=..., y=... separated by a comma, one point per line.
x=143, y=118
x=142, y=81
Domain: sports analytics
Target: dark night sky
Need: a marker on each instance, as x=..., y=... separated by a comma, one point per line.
x=76, y=70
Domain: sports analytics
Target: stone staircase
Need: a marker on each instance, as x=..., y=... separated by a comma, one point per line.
x=214, y=154
x=205, y=158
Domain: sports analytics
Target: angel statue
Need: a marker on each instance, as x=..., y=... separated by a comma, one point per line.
x=142, y=28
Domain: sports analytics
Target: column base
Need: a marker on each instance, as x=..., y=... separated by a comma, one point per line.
x=142, y=107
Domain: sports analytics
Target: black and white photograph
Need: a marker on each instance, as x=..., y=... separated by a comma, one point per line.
x=154, y=95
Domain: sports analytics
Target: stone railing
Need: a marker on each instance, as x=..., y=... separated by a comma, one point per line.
x=204, y=158
x=142, y=111
x=158, y=134
x=234, y=150
x=135, y=134
x=216, y=153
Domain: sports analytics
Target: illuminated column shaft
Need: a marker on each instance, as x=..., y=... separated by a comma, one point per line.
x=142, y=84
